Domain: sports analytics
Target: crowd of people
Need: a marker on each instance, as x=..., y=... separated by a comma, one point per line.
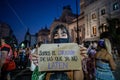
x=12, y=58
x=97, y=60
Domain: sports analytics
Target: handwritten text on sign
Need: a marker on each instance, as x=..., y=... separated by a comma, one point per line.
x=58, y=57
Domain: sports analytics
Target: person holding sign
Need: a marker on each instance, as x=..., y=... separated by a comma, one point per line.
x=59, y=35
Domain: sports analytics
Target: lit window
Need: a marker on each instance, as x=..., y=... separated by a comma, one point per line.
x=115, y=6
x=94, y=30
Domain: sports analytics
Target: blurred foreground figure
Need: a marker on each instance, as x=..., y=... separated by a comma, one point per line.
x=5, y=59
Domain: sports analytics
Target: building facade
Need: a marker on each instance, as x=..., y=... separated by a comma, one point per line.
x=43, y=35
x=6, y=31
x=65, y=19
x=96, y=12
x=29, y=40
x=93, y=14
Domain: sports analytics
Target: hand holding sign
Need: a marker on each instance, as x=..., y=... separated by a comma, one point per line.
x=58, y=57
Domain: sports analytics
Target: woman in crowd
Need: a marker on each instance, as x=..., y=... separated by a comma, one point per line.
x=104, y=62
x=6, y=55
x=60, y=35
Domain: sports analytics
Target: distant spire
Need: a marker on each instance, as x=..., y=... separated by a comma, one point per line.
x=28, y=31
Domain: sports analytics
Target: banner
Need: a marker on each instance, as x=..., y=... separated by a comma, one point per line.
x=59, y=57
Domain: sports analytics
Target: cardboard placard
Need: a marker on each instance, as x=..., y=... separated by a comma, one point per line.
x=59, y=57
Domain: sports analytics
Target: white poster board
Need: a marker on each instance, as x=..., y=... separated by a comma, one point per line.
x=59, y=57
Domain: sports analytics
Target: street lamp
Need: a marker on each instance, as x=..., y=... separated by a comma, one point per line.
x=22, y=45
x=78, y=39
x=77, y=30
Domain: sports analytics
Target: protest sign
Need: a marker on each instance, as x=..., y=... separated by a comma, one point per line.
x=59, y=57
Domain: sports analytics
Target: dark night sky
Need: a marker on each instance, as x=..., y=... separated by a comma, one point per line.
x=32, y=14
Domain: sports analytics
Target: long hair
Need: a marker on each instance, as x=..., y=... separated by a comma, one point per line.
x=108, y=46
x=62, y=27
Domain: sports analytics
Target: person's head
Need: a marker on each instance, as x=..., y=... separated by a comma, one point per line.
x=106, y=44
x=60, y=34
x=101, y=43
